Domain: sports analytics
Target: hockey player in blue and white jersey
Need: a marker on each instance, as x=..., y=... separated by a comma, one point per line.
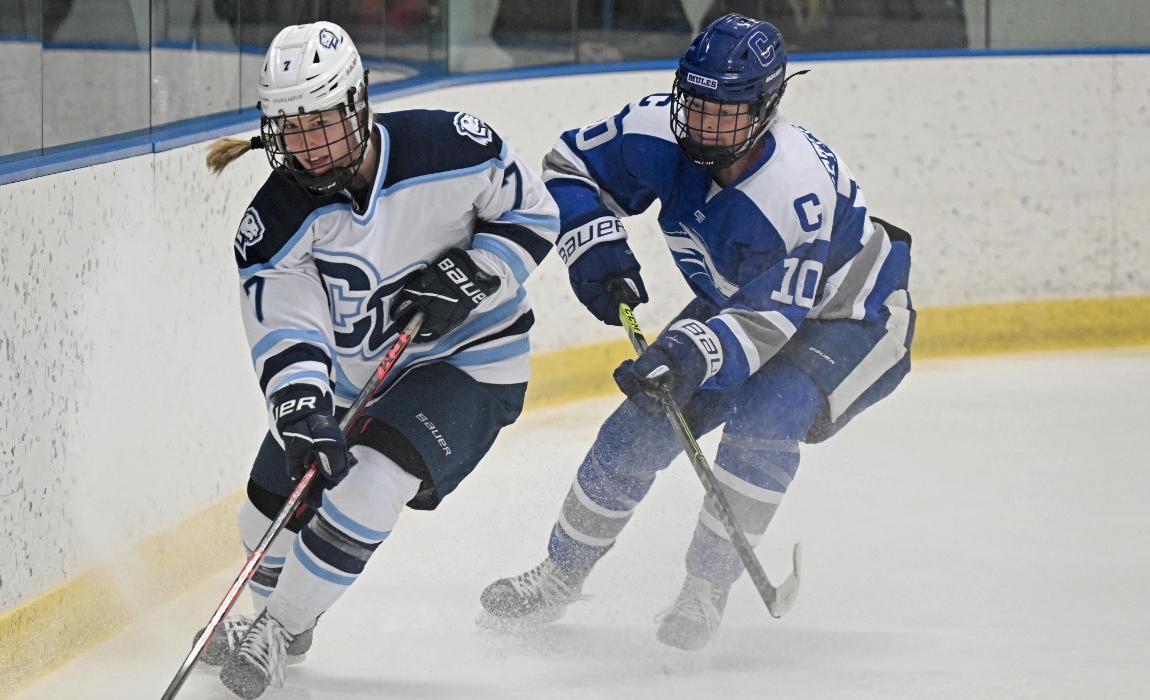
x=800, y=318
x=365, y=220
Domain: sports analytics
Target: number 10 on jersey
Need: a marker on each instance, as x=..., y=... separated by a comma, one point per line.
x=799, y=288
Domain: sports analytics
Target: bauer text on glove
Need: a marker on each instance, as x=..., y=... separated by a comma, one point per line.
x=680, y=361
x=309, y=430
x=446, y=291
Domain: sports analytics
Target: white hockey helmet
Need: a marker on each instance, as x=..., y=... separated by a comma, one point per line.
x=314, y=68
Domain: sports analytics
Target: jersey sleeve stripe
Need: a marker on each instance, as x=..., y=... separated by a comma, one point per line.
x=274, y=338
x=739, y=353
x=868, y=285
x=759, y=334
x=314, y=377
x=547, y=223
x=562, y=164
x=561, y=161
x=499, y=248
x=844, y=286
x=295, y=356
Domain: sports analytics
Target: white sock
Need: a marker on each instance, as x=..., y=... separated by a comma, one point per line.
x=253, y=526
x=330, y=552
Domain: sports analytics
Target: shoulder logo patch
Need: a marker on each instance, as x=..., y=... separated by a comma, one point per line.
x=473, y=128
x=251, y=232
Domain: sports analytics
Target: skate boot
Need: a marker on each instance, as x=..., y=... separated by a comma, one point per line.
x=694, y=617
x=535, y=597
x=259, y=661
x=232, y=629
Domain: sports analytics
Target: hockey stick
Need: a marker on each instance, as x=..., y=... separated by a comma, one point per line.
x=778, y=599
x=353, y=413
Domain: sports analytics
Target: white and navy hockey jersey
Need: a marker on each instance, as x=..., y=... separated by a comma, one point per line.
x=789, y=240
x=317, y=277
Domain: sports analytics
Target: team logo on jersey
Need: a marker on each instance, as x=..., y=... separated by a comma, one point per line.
x=473, y=128
x=328, y=39
x=359, y=301
x=695, y=262
x=696, y=79
x=251, y=232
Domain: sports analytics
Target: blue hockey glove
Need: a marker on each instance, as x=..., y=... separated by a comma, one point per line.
x=603, y=269
x=686, y=355
x=308, y=428
x=446, y=291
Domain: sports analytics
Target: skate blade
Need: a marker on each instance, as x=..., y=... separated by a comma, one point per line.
x=215, y=667
x=525, y=623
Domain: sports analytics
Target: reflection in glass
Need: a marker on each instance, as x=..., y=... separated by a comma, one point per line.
x=256, y=22
x=95, y=69
x=73, y=70
x=530, y=33
x=195, y=61
x=857, y=25
x=1068, y=23
x=413, y=34
x=635, y=31
x=20, y=109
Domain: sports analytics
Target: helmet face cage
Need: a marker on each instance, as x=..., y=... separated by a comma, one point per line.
x=728, y=84
x=337, y=138
x=715, y=134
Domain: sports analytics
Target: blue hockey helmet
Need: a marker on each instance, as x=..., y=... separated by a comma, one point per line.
x=736, y=69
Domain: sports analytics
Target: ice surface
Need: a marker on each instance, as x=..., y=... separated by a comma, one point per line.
x=983, y=533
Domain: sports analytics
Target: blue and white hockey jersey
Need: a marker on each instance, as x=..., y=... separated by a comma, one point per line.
x=790, y=239
x=317, y=277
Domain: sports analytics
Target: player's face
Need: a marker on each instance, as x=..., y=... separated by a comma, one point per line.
x=725, y=124
x=320, y=141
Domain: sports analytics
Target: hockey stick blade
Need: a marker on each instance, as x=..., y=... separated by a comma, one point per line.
x=788, y=591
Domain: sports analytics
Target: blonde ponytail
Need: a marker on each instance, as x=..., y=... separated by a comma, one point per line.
x=223, y=151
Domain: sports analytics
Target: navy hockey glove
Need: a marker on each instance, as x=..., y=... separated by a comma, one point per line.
x=685, y=356
x=308, y=428
x=603, y=276
x=446, y=291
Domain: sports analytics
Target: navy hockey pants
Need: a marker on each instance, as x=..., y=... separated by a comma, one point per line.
x=435, y=421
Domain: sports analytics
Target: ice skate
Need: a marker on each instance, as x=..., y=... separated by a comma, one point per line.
x=232, y=629
x=694, y=617
x=259, y=661
x=533, y=598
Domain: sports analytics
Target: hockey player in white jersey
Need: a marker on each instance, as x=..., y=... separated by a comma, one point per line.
x=365, y=220
x=801, y=317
